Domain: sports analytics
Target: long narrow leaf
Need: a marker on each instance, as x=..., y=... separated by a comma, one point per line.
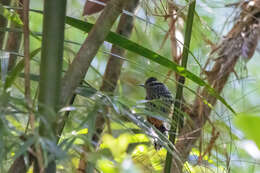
x=147, y=53
x=153, y=56
x=18, y=69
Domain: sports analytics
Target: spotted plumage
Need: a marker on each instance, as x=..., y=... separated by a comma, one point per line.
x=159, y=101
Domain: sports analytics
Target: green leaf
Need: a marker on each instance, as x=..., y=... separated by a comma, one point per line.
x=153, y=56
x=28, y=143
x=133, y=145
x=123, y=42
x=249, y=124
x=13, y=16
x=18, y=69
x=179, y=92
x=91, y=119
x=85, y=90
x=95, y=156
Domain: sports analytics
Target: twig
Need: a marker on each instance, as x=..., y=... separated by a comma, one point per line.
x=172, y=33
x=27, y=84
x=177, y=117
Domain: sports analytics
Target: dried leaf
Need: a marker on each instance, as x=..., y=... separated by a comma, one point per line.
x=94, y=6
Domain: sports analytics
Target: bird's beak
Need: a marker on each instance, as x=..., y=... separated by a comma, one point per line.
x=141, y=85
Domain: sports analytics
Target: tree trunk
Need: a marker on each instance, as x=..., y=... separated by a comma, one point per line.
x=112, y=73
x=114, y=64
x=88, y=50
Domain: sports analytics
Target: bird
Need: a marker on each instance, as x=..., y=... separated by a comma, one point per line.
x=159, y=100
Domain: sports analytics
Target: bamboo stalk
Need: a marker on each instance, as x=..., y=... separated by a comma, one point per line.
x=51, y=69
x=177, y=116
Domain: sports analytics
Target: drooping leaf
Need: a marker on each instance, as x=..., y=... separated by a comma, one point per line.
x=147, y=53
x=18, y=69
x=85, y=90
x=92, y=7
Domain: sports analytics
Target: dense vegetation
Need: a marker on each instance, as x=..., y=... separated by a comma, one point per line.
x=70, y=99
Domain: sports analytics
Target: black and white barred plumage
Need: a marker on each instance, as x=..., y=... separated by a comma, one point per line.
x=161, y=103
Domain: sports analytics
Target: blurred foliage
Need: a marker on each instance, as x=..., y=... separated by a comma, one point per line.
x=10, y=15
x=249, y=124
x=127, y=142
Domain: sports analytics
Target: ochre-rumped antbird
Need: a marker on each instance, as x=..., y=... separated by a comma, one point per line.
x=160, y=102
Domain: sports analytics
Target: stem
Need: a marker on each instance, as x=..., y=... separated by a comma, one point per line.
x=177, y=116
x=26, y=4
x=51, y=69
x=26, y=29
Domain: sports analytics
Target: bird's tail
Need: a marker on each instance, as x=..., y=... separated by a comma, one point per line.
x=163, y=130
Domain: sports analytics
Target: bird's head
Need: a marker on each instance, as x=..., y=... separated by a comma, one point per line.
x=148, y=82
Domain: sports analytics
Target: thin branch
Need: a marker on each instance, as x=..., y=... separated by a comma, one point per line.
x=27, y=85
x=172, y=32
x=177, y=116
x=26, y=31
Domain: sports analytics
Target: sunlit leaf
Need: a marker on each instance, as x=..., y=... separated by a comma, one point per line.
x=15, y=123
x=67, y=108
x=10, y=15
x=106, y=165
x=249, y=124
x=132, y=146
x=82, y=131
